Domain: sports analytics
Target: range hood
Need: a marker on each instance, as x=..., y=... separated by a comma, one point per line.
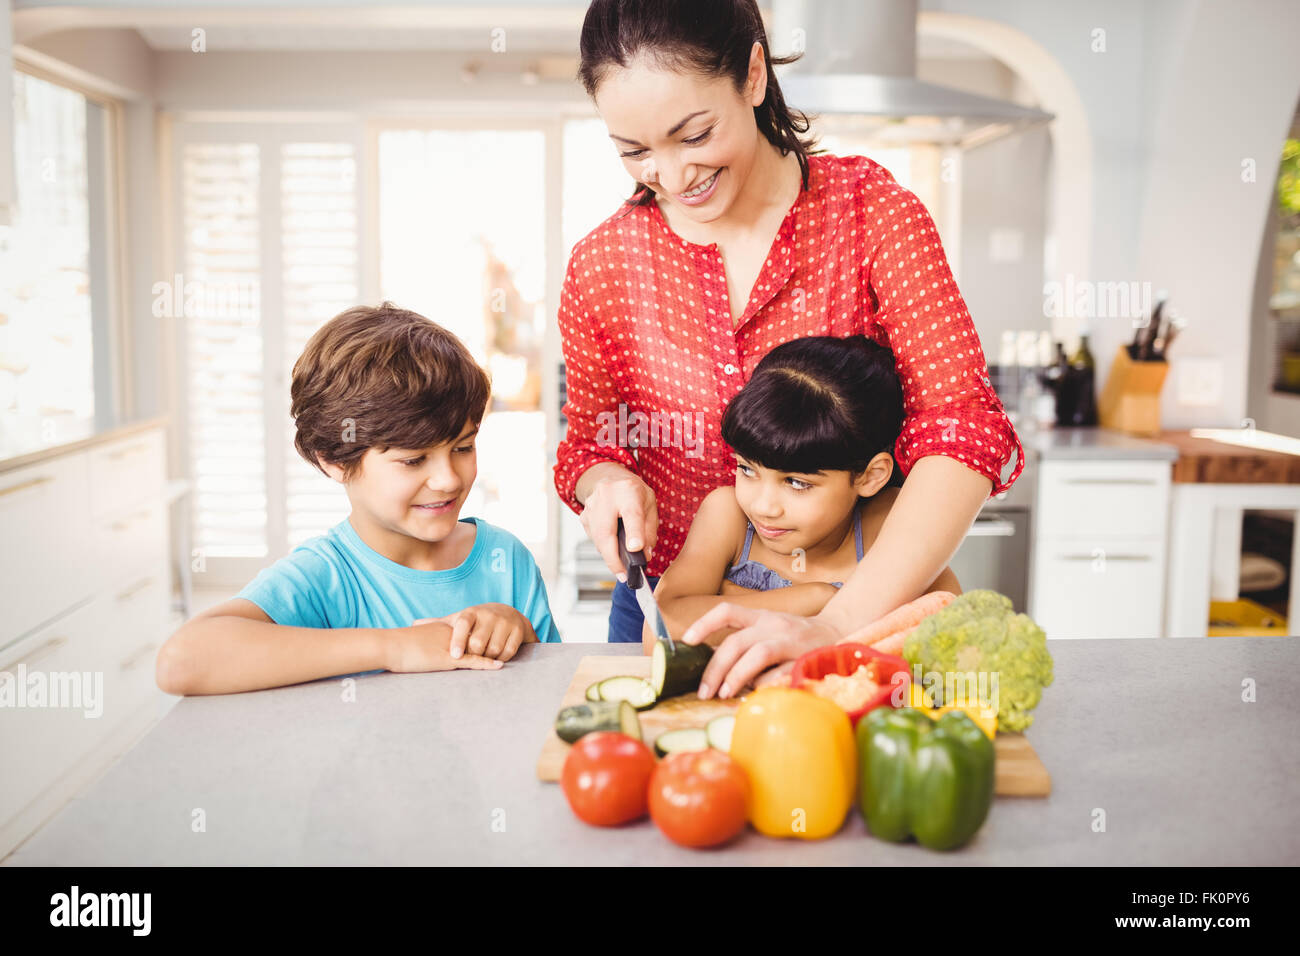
x=858, y=70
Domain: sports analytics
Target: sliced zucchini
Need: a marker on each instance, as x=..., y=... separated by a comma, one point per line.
x=635, y=690
x=579, y=720
x=681, y=741
x=677, y=668
x=593, y=692
x=719, y=732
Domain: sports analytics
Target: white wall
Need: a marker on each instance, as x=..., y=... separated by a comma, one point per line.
x=1007, y=190
x=6, y=113
x=1238, y=77
x=1185, y=90
x=348, y=80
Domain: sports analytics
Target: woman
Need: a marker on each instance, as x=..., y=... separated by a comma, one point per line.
x=737, y=239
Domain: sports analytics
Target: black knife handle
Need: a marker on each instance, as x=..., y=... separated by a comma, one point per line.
x=634, y=561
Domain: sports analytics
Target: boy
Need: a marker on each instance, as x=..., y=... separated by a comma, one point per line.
x=387, y=403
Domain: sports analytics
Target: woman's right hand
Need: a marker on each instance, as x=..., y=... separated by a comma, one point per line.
x=621, y=494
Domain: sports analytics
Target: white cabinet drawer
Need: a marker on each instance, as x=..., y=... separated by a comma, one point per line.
x=1099, y=587
x=131, y=542
x=43, y=543
x=1129, y=498
x=39, y=742
x=134, y=620
x=124, y=473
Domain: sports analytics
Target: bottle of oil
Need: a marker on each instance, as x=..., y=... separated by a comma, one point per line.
x=1082, y=389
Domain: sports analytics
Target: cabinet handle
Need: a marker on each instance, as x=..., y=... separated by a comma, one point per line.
x=124, y=452
x=44, y=650
x=135, y=588
x=134, y=659
x=991, y=528
x=1110, y=481
x=127, y=522
x=25, y=485
x=1104, y=556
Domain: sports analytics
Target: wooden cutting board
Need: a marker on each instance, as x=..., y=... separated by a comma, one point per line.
x=1019, y=771
x=1205, y=460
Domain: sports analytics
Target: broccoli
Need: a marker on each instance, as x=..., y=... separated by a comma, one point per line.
x=979, y=632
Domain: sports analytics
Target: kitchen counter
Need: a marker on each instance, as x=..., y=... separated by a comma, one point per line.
x=439, y=769
x=1094, y=444
x=15, y=453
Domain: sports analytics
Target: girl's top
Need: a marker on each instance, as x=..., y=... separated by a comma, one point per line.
x=652, y=356
x=759, y=577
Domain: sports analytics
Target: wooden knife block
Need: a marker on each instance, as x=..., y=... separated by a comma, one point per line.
x=1130, y=400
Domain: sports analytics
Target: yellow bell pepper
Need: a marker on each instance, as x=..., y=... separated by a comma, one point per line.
x=986, y=719
x=798, y=751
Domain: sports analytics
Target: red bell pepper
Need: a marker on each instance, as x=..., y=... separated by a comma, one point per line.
x=892, y=673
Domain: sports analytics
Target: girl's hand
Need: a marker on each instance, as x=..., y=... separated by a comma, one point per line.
x=621, y=496
x=763, y=639
x=426, y=646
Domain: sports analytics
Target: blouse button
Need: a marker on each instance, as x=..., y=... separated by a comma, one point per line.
x=730, y=369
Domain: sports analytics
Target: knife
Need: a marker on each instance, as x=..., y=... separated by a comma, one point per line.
x=1176, y=325
x=635, y=563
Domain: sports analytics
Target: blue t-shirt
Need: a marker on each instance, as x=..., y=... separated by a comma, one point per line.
x=337, y=580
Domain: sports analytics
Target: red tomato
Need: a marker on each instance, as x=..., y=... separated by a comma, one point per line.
x=699, y=799
x=605, y=778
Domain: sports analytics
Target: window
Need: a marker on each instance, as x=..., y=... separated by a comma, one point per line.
x=269, y=251
x=320, y=265
x=462, y=241
x=275, y=237
x=1284, y=295
x=56, y=375
x=219, y=298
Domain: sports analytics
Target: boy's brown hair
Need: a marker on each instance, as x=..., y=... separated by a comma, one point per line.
x=382, y=378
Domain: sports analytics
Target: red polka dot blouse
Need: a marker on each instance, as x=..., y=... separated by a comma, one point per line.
x=651, y=357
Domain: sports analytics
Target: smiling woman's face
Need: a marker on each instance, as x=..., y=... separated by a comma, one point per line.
x=690, y=138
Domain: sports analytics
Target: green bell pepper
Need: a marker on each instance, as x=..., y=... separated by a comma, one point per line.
x=924, y=778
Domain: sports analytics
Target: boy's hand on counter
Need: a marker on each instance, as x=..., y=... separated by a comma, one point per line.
x=426, y=646
x=492, y=631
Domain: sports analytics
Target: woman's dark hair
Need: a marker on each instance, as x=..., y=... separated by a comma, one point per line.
x=818, y=404
x=712, y=37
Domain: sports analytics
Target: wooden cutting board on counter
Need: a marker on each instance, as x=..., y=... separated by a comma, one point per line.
x=1206, y=461
x=1019, y=771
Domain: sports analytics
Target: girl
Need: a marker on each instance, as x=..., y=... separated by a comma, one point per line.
x=812, y=433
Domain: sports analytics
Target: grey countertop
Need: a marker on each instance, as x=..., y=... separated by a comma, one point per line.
x=1093, y=444
x=439, y=769
x=1053, y=444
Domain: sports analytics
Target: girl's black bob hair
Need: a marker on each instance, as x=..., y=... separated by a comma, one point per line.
x=818, y=404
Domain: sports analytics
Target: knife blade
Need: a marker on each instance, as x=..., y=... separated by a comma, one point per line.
x=635, y=562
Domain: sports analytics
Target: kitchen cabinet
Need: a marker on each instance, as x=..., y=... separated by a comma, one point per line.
x=87, y=574
x=1100, y=553
x=1214, y=482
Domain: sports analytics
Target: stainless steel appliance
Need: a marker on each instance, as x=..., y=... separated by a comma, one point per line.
x=995, y=552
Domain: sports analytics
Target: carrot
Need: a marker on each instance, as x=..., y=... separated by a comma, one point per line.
x=893, y=644
x=886, y=634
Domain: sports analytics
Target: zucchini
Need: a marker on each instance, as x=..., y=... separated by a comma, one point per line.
x=719, y=732
x=681, y=741
x=677, y=668
x=635, y=690
x=593, y=692
x=582, y=719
